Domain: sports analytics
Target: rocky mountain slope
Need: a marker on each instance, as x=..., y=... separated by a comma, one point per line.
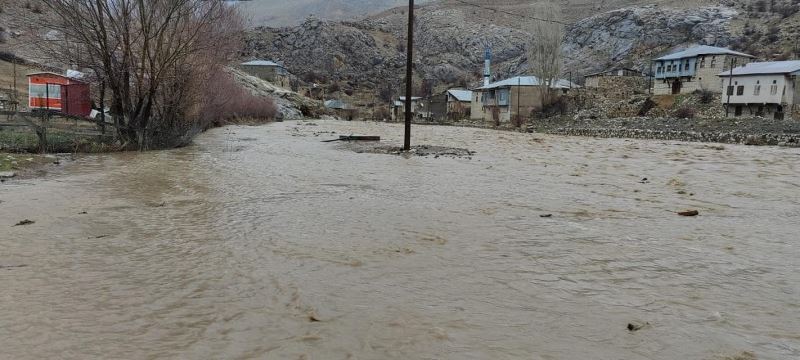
x=286, y=13
x=368, y=55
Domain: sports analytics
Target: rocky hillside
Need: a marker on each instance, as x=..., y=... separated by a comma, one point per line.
x=368, y=55
x=286, y=13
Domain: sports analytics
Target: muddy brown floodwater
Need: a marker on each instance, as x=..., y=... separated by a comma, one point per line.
x=264, y=243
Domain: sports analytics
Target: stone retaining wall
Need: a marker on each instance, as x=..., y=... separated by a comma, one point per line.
x=790, y=140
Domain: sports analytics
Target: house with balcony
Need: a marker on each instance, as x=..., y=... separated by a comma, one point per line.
x=693, y=69
x=501, y=101
x=762, y=89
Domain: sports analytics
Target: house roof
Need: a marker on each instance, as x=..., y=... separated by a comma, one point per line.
x=403, y=98
x=262, y=63
x=702, y=50
x=761, y=68
x=56, y=75
x=461, y=95
x=336, y=104
x=527, y=81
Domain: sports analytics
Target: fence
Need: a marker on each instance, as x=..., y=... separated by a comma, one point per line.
x=51, y=132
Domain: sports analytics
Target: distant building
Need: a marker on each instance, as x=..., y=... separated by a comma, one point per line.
x=501, y=101
x=342, y=109
x=694, y=69
x=616, y=77
x=269, y=71
x=452, y=105
x=399, y=108
x=54, y=92
x=766, y=89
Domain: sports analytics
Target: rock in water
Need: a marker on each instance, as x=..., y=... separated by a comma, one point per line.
x=689, y=213
x=7, y=174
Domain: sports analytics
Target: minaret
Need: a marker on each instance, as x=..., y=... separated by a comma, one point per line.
x=487, y=71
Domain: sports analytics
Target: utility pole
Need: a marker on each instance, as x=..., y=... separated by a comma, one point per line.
x=729, y=90
x=15, y=100
x=409, y=74
x=519, y=90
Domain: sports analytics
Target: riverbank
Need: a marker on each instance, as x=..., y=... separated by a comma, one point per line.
x=730, y=131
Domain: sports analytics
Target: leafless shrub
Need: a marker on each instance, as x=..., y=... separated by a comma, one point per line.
x=685, y=112
x=227, y=101
x=705, y=96
x=544, y=48
x=154, y=56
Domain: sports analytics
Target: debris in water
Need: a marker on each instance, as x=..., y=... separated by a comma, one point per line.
x=546, y=215
x=313, y=317
x=25, y=222
x=644, y=181
x=744, y=355
x=11, y=267
x=636, y=326
x=689, y=213
x=83, y=213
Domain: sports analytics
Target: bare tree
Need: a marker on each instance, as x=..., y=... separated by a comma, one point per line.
x=153, y=56
x=544, y=48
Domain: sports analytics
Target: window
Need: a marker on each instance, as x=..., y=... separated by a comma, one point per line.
x=702, y=62
x=773, y=89
x=502, y=97
x=686, y=66
x=740, y=90
x=713, y=61
x=730, y=90
x=42, y=91
x=757, y=90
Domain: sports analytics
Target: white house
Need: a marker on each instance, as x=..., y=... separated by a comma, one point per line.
x=766, y=89
x=501, y=101
x=399, y=108
x=694, y=69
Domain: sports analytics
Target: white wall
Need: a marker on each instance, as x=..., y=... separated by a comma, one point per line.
x=765, y=95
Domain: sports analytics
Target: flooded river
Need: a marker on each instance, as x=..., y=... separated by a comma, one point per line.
x=264, y=243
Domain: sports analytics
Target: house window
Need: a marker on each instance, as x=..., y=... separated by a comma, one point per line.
x=730, y=90
x=757, y=90
x=702, y=62
x=502, y=97
x=41, y=91
x=713, y=62
x=740, y=90
x=773, y=89
x=686, y=66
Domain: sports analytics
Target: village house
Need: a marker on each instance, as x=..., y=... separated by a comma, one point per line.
x=399, y=108
x=694, y=69
x=58, y=93
x=502, y=101
x=616, y=78
x=764, y=89
x=452, y=105
x=342, y=109
x=268, y=70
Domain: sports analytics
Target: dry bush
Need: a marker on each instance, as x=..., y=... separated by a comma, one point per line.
x=156, y=59
x=705, y=96
x=227, y=101
x=685, y=112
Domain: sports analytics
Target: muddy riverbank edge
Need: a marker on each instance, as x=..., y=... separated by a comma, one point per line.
x=748, y=132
